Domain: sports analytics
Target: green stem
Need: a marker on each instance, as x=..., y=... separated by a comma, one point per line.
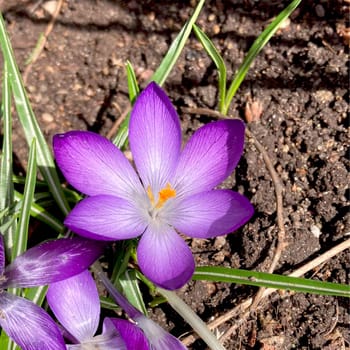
x=192, y=319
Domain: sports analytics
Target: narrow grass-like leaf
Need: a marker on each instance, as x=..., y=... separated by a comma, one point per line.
x=161, y=73
x=71, y=195
x=4, y=227
x=14, y=210
x=176, y=48
x=257, y=46
x=21, y=234
x=41, y=214
x=108, y=303
x=30, y=125
x=4, y=341
x=36, y=295
x=132, y=291
x=124, y=250
x=263, y=279
x=21, y=181
x=133, y=86
x=6, y=184
x=21, y=237
x=146, y=281
x=218, y=61
x=122, y=136
x=36, y=50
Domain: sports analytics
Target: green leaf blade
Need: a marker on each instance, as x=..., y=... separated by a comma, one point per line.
x=6, y=172
x=218, y=61
x=29, y=123
x=263, y=279
x=132, y=291
x=21, y=238
x=176, y=48
x=257, y=46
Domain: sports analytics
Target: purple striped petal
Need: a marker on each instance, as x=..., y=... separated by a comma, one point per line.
x=93, y=165
x=155, y=137
x=28, y=324
x=158, y=338
x=210, y=214
x=2, y=255
x=164, y=257
x=209, y=157
x=106, y=217
x=132, y=336
x=76, y=305
x=52, y=261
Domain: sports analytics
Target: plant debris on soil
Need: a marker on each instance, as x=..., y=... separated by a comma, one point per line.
x=295, y=98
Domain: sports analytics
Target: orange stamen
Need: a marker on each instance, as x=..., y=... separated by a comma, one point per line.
x=163, y=195
x=150, y=194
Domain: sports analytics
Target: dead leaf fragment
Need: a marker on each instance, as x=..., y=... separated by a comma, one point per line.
x=253, y=110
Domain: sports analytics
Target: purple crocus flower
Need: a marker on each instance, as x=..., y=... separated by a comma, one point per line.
x=76, y=304
x=171, y=192
x=26, y=323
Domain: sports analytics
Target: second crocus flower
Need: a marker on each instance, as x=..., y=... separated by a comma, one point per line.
x=26, y=323
x=76, y=304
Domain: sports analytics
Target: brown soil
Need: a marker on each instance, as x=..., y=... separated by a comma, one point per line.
x=301, y=82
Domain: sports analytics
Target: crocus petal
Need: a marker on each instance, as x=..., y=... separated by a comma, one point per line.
x=212, y=213
x=93, y=165
x=52, y=261
x=76, y=304
x=155, y=137
x=2, y=255
x=164, y=257
x=28, y=324
x=106, y=217
x=132, y=336
x=158, y=338
x=209, y=157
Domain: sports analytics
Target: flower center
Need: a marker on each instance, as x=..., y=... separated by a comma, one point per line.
x=163, y=195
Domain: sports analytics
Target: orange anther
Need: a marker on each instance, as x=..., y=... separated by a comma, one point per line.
x=163, y=195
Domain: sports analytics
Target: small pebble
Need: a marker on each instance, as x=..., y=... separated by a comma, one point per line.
x=323, y=96
x=320, y=11
x=219, y=242
x=151, y=16
x=47, y=117
x=50, y=7
x=211, y=288
x=219, y=257
x=315, y=231
x=211, y=17
x=216, y=29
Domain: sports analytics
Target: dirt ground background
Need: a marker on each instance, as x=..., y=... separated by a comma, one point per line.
x=300, y=81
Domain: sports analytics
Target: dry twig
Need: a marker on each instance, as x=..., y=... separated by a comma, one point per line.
x=40, y=47
x=118, y=122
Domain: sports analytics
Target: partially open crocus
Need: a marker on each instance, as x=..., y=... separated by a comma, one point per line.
x=172, y=190
x=26, y=323
x=76, y=304
x=157, y=337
